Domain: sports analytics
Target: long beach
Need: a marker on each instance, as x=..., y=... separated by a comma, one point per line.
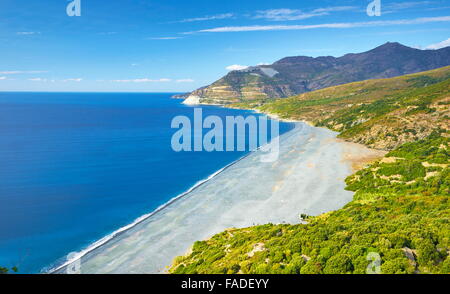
x=308, y=178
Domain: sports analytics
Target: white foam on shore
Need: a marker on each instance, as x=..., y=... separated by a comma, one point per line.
x=307, y=178
x=140, y=219
x=104, y=240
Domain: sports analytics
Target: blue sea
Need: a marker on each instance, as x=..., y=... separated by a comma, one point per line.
x=75, y=167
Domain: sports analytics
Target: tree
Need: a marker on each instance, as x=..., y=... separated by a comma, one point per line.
x=312, y=267
x=4, y=270
x=446, y=266
x=338, y=264
x=427, y=252
x=397, y=266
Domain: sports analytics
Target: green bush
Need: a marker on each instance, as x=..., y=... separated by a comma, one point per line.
x=312, y=267
x=397, y=266
x=338, y=264
x=446, y=266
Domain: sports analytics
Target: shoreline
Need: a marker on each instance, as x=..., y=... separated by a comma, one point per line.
x=137, y=221
x=104, y=240
x=111, y=238
x=255, y=110
x=246, y=193
x=277, y=117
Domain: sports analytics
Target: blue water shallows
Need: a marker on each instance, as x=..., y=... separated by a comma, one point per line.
x=75, y=167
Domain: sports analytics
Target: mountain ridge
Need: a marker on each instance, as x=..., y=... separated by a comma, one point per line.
x=295, y=75
x=379, y=113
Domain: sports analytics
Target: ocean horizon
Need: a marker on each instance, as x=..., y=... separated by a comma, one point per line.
x=78, y=166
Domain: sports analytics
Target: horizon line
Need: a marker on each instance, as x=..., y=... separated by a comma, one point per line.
x=130, y=92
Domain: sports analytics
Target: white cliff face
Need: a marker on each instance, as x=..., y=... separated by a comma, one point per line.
x=192, y=100
x=270, y=72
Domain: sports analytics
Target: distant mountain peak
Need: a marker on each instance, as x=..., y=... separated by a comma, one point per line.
x=392, y=46
x=294, y=59
x=299, y=74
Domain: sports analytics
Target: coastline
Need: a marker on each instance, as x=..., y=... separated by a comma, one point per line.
x=242, y=194
x=59, y=268
x=107, y=238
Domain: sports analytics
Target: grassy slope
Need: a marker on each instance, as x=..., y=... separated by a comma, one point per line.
x=381, y=114
x=401, y=208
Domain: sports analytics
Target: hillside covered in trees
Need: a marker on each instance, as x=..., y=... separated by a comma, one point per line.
x=382, y=114
x=399, y=218
x=401, y=211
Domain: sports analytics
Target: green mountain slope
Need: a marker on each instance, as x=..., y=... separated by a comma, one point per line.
x=401, y=208
x=381, y=114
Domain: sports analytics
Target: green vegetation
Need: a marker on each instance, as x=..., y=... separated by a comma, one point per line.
x=424, y=80
x=400, y=214
x=382, y=114
x=4, y=270
x=406, y=224
x=418, y=168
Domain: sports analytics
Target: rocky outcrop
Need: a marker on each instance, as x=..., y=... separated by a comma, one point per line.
x=192, y=100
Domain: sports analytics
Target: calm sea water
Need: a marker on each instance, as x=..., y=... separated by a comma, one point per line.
x=76, y=167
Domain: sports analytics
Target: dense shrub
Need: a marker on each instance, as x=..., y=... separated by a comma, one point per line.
x=386, y=218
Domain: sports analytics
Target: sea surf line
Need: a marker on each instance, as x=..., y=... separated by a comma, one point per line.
x=78, y=255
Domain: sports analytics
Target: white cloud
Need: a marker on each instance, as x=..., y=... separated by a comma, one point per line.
x=439, y=45
x=390, y=8
x=2, y=78
x=14, y=72
x=335, y=9
x=281, y=14
x=212, y=17
x=54, y=81
x=347, y=25
x=263, y=63
x=165, y=38
x=437, y=8
x=185, y=81
x=285, y=14
x=236, y=67
x=406, y=5
x=28, y=33
x=73, y=80
x=144, y=80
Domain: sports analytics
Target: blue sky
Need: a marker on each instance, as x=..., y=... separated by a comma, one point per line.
x=176, y=46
